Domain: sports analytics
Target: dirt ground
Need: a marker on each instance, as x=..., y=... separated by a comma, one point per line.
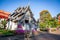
x=56, y=32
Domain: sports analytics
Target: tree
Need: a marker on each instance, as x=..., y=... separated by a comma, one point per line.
x=45, y=18
x=58, y=15
x=54, y=23
x=4, y=23
x=45, y=14
x=42, y=25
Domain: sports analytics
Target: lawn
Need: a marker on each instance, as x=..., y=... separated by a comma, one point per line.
x=6, y=32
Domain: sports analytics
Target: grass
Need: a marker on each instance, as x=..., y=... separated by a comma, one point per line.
x=5, y=32
x=44, y=29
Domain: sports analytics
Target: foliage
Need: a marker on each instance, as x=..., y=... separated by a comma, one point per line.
x=58, y=15
x=4, y=23
x=54, y=23
x=6, y=32
x=48, y=23
x=42, y=25
x=47, y=20
x=45, y=14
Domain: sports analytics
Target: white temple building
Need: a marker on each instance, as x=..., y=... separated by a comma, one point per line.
x=23, y=16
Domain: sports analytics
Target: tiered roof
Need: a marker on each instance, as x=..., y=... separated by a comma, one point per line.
x=4, y=14
x=19, y=12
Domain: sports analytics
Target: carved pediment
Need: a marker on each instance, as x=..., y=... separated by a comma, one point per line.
x=23, y=13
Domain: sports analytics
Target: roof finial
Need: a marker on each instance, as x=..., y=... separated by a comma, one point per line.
x=28, y=3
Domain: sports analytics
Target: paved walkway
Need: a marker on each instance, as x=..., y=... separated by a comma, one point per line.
x=48, y=36
x=41, y=36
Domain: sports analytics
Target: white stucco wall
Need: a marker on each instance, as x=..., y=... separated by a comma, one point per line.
x=11, y=25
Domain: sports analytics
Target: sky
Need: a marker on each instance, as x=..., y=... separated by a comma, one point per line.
x=36, y=6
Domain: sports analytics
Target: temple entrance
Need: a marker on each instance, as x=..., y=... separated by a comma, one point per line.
x=26, y=21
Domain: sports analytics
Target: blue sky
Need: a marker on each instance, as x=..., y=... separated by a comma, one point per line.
x=53, y=6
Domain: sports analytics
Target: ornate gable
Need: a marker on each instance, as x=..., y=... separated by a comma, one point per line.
x=22, y=14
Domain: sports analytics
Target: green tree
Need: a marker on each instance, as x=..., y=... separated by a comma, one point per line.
x=58, y=18
x=58, y=15
x=42, y=25
x=4, y=23
x=45, y=18
x=54, y=23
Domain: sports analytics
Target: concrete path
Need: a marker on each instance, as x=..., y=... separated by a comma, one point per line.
x=41, y=36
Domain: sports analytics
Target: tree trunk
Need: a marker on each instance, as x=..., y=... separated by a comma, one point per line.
x=4, y=26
